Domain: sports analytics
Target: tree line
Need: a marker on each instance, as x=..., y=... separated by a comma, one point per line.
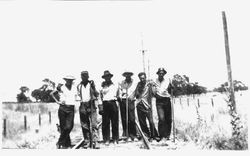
x=181, y=85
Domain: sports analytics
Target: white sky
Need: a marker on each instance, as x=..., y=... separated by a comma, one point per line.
x=49, y=39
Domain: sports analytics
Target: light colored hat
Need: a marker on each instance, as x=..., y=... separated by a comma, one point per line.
x=68, y=77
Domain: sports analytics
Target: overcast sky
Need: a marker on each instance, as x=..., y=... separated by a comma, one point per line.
x=49, y=39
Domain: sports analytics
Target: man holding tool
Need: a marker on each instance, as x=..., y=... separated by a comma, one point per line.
x=88, y=115
x=127, y=106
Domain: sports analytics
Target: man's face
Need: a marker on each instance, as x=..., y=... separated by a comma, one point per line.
x=161, y=75
x=69, y=82
x=107, y=78
x=142, y=78
x=84, y=77
x=128, y=77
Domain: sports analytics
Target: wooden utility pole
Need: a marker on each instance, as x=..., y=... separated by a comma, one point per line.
x=229, y=70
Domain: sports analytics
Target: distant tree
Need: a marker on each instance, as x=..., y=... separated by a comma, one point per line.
x=21, y=97
x=238, y=86
x=36, y=94
x=183, y=86
x=43, y=93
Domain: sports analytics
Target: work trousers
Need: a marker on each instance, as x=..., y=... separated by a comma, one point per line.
x=66, y=119
x=143, y=115
x=131, y=117
x=110, y=113
x=163, y=107
x=88, y=118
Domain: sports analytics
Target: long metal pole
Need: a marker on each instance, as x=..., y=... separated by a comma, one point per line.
x=143, y=54
x=229, y=70
x=172, y=111
x=127, y=136
x=143, y=60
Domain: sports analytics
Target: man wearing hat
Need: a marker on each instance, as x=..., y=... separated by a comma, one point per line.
x=66, y=110
x=163, y=104
x=88, y=96
x=144, y=94
x=126, y=100
x=109, y=109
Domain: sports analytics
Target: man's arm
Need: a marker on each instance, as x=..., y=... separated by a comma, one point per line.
x=53, y=96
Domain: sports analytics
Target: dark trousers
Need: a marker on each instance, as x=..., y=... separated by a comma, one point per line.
x=87, y=118
x=131, y=117
x=143, y=115
x=66, y=119
x=163, y=107
x=110, y=113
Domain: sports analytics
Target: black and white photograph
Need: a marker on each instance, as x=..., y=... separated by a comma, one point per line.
x=133, y=75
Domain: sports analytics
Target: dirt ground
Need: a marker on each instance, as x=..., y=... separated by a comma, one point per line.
x=47, y=137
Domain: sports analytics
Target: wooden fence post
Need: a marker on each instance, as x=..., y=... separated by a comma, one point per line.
x=4, y=128
x=39, y=117
x=25, y=122
x=212, y=101
x=49, y=117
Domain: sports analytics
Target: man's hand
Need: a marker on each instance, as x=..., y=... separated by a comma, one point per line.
x=92, y=83
x=61, y=103
x=119, y=99
x=100, y=107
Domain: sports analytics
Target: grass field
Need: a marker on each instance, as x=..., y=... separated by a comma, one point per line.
x=206, y=127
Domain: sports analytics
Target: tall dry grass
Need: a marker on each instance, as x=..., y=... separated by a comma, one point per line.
x=213, y=127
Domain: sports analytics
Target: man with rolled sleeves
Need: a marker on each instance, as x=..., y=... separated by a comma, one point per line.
x=163, y=104
x=88, y=115
x=144, y=94
x=67, y=102
x=126, y=90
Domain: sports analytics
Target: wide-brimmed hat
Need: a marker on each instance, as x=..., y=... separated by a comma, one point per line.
x=126, y=72
x=107, y=73
x=68, y=77
x=161, y=70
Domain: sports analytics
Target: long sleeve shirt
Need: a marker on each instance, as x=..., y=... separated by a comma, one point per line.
x=143, y=94
x=126, y=89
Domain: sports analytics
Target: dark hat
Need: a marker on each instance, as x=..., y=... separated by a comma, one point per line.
x=107, y=73
x=141, y=73
x=84, y=72
x=127, y=73
x=160, y=70
x=68, y=77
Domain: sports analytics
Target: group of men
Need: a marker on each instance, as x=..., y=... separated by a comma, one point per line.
x=129, y=98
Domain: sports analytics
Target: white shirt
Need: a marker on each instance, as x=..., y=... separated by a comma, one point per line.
x=109, y=92
x=84, y=92
x=126, y=88
x=69, y=96
x=162, y=88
